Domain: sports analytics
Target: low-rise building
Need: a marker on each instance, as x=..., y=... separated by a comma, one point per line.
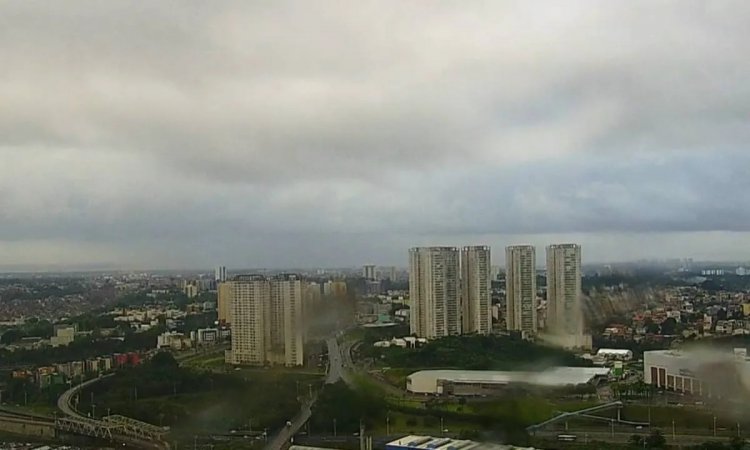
x=432, y=443
x=475, y=382
x=708, y=373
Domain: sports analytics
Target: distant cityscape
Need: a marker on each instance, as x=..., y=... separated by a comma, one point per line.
x=629, y=321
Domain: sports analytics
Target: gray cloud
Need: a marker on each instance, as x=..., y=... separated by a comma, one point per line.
x=180, y=134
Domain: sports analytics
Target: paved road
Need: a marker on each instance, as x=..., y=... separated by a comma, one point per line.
x=339, y=361
x=64, y=401
x=336, y=372
x=284, y=436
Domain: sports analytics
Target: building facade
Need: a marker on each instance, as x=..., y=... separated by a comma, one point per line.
x=706, y=373
x=434, y=291
x=287, y=328
x=267, y=320
x=476, y=302
x=520, y=288
x=564, y=309
x=368, y=272
x=250, y=300
x=224, y=302
x=220, y=274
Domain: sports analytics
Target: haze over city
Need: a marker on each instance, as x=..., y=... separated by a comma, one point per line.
x=374, y=225
x=164, y=135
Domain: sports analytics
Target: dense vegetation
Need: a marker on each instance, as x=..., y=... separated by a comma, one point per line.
x=347, y=407
x=32, y=328
x=82, y=348
x=161, y=392
x=476, y=353
x=25, y=392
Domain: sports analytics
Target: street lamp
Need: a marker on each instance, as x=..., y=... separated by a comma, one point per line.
x=714, y=426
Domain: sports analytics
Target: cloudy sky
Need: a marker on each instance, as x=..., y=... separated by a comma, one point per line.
x=182, y=134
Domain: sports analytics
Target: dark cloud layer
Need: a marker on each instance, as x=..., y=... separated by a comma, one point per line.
x=185, y=134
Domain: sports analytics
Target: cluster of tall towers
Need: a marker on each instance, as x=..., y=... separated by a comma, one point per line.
x=450, y=292
x=564, y=318
x=266, y=316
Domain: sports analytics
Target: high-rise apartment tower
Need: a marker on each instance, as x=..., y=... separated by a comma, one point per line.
x=267, y=320
x=434, y=291
x=520, y=288
x=564, y=311
x=476, y=303
x=220, y=274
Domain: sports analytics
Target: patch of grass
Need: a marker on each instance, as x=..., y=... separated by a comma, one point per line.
x=684, y=417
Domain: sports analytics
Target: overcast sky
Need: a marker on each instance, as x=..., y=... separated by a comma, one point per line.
x=179, y=134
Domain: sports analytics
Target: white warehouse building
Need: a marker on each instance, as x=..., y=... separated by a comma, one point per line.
x=709, y=373
x=472, y=382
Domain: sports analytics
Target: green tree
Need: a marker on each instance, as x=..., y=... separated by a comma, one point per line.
x=669, y=326
x=11, y=336
x=656, y=439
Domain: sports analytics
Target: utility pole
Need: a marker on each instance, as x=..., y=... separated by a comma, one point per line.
x=714, y=426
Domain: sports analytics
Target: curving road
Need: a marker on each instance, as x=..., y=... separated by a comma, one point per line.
x=64, y=401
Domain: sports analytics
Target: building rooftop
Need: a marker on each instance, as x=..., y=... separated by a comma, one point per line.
x=435, y=443
x=558, y=376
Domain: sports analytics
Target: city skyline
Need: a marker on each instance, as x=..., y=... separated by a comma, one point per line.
x=229, y=141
